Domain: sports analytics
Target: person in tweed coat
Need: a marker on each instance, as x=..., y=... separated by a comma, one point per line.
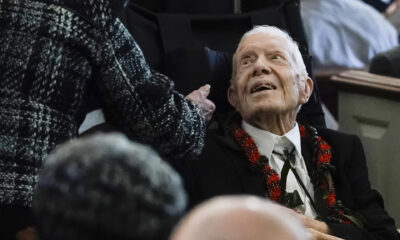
x=54, y=54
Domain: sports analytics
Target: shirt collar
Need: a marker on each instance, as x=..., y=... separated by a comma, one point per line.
x=265, y=140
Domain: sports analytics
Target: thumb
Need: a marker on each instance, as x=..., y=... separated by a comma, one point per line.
x=205, y=90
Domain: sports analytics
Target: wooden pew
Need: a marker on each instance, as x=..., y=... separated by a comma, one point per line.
x=369, y=106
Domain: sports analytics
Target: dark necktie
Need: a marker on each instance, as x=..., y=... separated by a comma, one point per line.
x=292, y=199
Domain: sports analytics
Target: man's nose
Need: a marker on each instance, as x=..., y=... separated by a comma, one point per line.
x=260, y=68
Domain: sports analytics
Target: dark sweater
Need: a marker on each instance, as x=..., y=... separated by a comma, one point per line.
x=53, y=54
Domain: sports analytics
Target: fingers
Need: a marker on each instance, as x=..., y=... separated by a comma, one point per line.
x=205, y=90
x=209, y=105
x=199, y=97
x=315, y=235
x=309, y=222
x=199, y=94
x=209, y=108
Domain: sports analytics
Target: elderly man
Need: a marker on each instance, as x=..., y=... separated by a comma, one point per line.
x=261, y=149
x=239, y=218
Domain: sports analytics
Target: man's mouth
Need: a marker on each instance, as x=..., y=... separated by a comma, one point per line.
x=262, y=87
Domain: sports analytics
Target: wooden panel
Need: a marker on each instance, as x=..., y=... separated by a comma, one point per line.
x=375, y=118
x=368, y=80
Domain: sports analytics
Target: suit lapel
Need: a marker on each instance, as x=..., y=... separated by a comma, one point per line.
x=306, y=152
x=252, y=183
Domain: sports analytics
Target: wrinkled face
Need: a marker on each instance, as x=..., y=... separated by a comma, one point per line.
x=266, y=79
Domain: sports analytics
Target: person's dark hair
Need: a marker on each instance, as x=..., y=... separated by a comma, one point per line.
x=106, y=187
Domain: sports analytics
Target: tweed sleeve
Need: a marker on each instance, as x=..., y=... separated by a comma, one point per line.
x=144, y=103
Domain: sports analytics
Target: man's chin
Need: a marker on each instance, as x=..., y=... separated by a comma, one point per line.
x=256, y=112
x=266, y=108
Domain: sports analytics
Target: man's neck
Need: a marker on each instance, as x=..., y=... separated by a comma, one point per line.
x=266, y=141
x=276, y=124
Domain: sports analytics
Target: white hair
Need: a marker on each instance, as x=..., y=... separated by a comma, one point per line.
x=292, y=45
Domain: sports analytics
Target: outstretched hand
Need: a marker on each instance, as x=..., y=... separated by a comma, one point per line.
x=199, y=98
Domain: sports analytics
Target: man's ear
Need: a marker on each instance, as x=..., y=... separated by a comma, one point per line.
x=232, y=96
x=307, y=91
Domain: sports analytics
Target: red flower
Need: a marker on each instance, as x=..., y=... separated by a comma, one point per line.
x=331, y=200
x=324, y=146
x=319, y=138
x=273, y=178
x=248, y=143
x=275, y=194
x=345, y=221
x=239, y=133
x=254, y=156
x=302, y=131
x=324, y=158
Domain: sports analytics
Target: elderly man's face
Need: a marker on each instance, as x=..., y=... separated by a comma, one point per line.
x=267, y=81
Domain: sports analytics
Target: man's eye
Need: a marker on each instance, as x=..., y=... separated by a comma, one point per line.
x=276, y=57
x=246, y=61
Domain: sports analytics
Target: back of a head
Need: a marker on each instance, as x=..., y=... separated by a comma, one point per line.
x=106, y=187
x=239, y=218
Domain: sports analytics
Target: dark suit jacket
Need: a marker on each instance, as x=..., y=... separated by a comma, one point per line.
x=222, y=169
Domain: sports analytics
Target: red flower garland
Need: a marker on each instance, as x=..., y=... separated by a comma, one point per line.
x=254, y=157
x=331, y=200
x=302, y=130
x=323, y=156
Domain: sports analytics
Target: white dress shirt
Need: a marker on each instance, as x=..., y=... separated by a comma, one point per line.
x=266, y=142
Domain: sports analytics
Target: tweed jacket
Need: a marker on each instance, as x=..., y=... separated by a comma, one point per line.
x=54, y=54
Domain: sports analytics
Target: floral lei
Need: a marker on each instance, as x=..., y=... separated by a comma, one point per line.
x=321, y=176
